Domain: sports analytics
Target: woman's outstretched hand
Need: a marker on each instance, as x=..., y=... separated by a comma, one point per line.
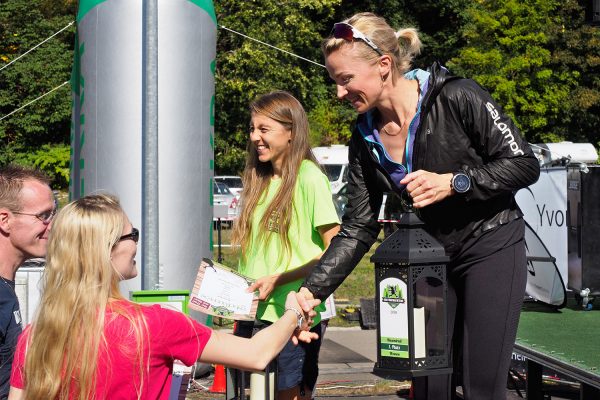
x=426, y=187
x=304, y=334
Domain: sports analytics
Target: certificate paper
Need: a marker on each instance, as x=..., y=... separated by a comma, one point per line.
x=221, y=292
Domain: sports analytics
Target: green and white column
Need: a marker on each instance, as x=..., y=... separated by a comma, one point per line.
x=143, y=126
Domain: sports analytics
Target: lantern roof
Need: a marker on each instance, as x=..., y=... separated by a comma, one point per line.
x=410, y=244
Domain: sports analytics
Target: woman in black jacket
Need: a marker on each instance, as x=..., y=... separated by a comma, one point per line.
x=446, y=142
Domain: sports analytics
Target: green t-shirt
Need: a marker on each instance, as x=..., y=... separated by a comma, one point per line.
x=313, y=207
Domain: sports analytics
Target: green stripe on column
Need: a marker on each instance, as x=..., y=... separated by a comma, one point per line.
x=76, y=71
x=85, y=6
x=206, y=5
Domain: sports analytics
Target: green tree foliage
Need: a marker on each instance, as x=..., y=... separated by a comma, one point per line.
x=330, y=121
x=50, y=158
x=440, y=24
x=509, y=51
x=24, y=24
x=537, y=58
x=576, y=50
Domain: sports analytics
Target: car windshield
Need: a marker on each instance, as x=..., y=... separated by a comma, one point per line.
x=332, y=171
x=220, y=188
x=231, y=182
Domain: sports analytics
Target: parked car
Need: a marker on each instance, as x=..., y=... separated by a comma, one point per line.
x=340, y=199
x=233, y=182
x=37, y=262
x=222, y=196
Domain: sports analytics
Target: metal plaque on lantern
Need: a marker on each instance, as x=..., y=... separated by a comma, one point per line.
x=411, y=286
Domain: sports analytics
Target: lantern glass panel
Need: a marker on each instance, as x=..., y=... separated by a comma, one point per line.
x=430, y=316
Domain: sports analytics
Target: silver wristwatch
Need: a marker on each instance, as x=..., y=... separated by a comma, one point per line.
x=299, y=315
x=460, y=183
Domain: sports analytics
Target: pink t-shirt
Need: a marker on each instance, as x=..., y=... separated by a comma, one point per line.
x=172, y=335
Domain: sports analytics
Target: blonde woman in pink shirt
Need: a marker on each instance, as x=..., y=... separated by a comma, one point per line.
x=88, y=341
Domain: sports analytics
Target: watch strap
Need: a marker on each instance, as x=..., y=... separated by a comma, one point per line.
x=300, y=317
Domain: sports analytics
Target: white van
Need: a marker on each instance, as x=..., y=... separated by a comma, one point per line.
x=563, y=153
x=334, y=161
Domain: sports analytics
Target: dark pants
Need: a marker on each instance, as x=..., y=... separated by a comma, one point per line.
x=485, y=294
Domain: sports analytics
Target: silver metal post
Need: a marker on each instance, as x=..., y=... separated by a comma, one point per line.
x=150, y=260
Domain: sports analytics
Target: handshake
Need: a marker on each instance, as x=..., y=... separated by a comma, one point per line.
x=303, y=304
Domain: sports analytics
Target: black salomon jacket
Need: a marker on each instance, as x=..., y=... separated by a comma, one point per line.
x=461, y=128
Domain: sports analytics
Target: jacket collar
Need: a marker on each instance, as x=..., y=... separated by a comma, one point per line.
x=439, y=75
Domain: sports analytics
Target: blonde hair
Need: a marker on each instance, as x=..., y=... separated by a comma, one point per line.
x=401, y=46
x=79, y=281
x=286, y=109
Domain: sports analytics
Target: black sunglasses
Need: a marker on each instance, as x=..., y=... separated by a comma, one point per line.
x=134, y=235
x=343, y=30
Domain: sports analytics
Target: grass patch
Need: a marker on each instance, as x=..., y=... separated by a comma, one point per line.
x=360, y=283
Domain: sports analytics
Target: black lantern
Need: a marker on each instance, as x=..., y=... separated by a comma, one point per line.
x=411, y=286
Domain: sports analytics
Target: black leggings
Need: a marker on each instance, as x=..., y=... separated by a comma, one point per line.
x=485, y=295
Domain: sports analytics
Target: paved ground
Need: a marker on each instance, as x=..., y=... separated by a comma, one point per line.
x=346, y=361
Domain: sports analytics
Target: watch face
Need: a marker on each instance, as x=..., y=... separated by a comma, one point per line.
x=461, y=183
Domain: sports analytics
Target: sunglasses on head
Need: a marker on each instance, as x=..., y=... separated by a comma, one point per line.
x=342, y=30
x=134, y=235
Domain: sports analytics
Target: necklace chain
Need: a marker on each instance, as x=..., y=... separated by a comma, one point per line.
x=384, y=128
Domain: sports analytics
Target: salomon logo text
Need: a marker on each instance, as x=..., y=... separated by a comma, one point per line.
x=504, y=129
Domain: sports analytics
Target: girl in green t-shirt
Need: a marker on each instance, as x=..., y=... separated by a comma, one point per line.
x=287, y=221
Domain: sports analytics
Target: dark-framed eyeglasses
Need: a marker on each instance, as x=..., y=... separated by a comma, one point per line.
x=134, y=235
x=45, y=216
x=343, y=30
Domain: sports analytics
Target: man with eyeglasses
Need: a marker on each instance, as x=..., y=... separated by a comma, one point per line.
x=27, y=207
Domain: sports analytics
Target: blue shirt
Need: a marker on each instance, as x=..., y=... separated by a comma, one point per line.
x=369, y=131
x=10, y=329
